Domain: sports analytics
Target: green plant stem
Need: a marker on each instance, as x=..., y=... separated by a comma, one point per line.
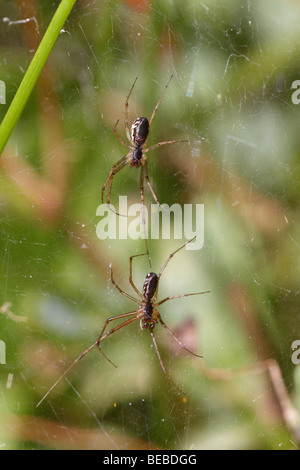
x=30, y=78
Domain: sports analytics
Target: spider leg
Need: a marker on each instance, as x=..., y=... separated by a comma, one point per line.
x=113, y=171
x=150, y=187
x=126, y=114
x=110, y=186
x=175, y=337
x=160, y=360
x=159, y=101
x=171, y=256
x=101, y=338
x=180, y=296
x=120, y=290
x=120, y=139
x=167, y=142
x=66, y=371
x=130, y=273
x=143, y=212
x=118, y=327
x=136, y=314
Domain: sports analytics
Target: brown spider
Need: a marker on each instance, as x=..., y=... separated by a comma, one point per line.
x=136, y=157
x=147, y=313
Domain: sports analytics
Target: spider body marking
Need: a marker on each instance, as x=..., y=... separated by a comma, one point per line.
x=150, y=286
x=149, y=313
x=139, y=133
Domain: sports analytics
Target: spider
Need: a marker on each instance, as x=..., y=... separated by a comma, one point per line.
x=146, y=312
x=136, y=157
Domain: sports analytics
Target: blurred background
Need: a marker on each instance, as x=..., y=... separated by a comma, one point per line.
x=233, y=64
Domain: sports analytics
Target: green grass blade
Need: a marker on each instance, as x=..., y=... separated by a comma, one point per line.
x=30, y=78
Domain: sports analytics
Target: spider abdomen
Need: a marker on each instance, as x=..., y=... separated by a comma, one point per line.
x=150, y=285
x=140, y=131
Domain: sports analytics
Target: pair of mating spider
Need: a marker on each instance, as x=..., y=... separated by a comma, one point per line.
x=147, y=311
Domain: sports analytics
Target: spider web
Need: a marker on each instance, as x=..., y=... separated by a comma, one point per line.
x=233, y=67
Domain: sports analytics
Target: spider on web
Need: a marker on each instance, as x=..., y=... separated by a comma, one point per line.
x=146, y=312
x=136, y=157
